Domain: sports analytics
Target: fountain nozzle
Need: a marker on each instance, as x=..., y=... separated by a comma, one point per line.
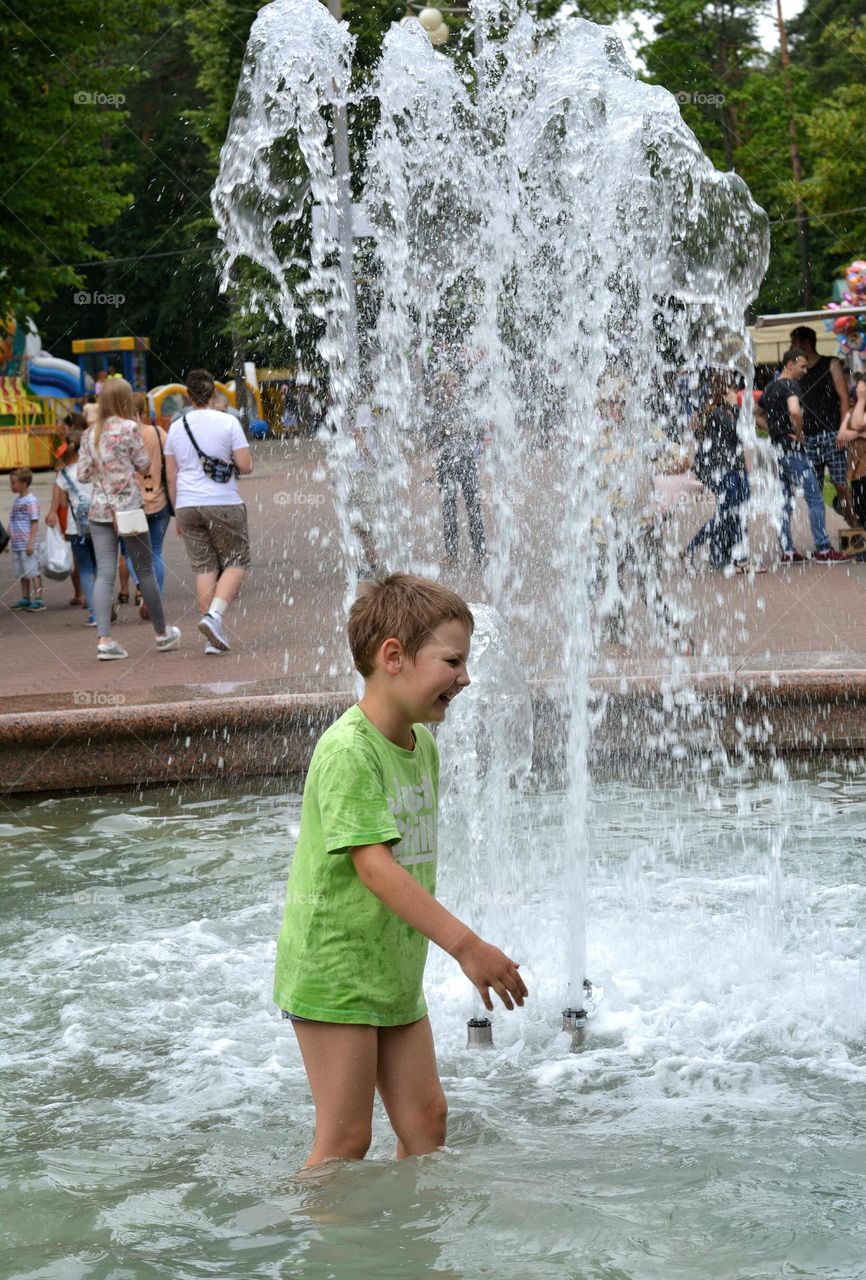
x=479, y=1033
x=574, y=1020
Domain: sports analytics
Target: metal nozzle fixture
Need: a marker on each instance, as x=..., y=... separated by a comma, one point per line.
x=574, y=1021
x=479, y=1033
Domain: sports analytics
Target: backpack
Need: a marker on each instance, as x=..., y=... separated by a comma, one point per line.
x=80, y=505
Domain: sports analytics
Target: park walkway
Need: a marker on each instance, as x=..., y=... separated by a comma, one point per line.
x=287, y=632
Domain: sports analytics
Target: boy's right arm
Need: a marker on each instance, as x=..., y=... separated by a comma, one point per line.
x=484, y=965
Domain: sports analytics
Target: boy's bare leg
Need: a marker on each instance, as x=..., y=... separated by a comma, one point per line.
x=408, y=1084
x=340, y=1062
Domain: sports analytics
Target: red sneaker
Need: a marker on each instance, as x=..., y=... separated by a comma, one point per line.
x=793, y=557
x=830, y=556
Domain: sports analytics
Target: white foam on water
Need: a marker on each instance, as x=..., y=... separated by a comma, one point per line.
x=723, y=927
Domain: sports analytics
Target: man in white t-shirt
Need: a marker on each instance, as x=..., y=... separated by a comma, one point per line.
x=205, y=452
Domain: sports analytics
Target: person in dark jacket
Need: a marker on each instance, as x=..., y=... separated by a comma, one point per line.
x=720, y=464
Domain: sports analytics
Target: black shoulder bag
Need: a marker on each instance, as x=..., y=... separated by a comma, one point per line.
x=214, y=468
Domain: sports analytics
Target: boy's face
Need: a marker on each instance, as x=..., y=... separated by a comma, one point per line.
x=437, y=673
x=14, y=484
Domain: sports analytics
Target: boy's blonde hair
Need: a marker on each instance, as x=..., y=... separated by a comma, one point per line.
x=24, y=474
x=405, y=607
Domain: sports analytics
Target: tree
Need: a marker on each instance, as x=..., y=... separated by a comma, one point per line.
x=62, y=110
x=834, y=190
x=701, y=54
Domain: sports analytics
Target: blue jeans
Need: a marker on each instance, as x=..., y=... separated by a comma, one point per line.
x=157, y=525
x=726, y=530
x=83, y=554
x=796, y=472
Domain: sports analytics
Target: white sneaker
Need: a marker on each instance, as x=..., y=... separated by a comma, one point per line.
x=107, y=652
x=211, y=648
x=170, y=640
x=211, y=627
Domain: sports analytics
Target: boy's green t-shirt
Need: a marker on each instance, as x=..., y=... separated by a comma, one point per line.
x=342, y=955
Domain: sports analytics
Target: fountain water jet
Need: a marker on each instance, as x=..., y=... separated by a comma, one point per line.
x=546, y=230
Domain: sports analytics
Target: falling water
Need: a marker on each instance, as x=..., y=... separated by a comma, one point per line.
x=486, y=751
x=546, y=250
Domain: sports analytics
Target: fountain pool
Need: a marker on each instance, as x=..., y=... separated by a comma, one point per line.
x=713, y=1126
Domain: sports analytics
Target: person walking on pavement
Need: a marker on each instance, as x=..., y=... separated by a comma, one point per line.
x=112, y=452
x=720, y=464
x=76, y=496
x=205, y=452
x=154, y=494
x=454, y=440
x=779, y=410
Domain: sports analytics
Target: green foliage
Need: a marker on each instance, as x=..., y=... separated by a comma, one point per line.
x=820, y=44
x=83, y=182
x=61, y=119
x=834, y=127
x=713, y=50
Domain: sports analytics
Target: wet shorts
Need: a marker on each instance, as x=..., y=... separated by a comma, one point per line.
x=822, y=453
x=215, y=538
x=293, y=1017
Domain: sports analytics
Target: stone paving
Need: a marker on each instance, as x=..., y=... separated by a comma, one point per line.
x=287, y=636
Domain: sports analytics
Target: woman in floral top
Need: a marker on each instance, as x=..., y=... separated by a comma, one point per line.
x=112, y=452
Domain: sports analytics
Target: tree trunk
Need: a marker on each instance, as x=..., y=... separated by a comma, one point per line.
x=796, y=164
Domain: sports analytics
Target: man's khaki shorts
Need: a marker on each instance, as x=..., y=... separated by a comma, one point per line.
x=215, y=538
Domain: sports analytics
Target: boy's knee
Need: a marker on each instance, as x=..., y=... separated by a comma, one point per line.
x=431, y=1118
x=351, y=1142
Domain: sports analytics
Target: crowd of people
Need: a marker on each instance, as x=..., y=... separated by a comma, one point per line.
x=119, y=481
x=816, y=424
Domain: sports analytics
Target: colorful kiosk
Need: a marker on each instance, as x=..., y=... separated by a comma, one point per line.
x=129, y=353
x=28, y=423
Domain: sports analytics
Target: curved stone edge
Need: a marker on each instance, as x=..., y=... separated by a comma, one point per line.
x=636, y=716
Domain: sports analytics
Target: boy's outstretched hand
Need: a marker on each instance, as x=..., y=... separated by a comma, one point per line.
x=487, y=967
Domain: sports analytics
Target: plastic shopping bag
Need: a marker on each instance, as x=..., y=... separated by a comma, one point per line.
x=55, y=555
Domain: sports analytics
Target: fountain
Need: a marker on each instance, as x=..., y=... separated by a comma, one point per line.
x=543, y=231
x=535, y=222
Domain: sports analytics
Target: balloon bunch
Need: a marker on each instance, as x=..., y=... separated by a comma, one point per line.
x=851, y=330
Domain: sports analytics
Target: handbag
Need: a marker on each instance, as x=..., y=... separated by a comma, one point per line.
x=130, y=522
x=4, y=537
x=214, y=468
x=55, y=555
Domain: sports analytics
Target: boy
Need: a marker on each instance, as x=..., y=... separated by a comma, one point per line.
x=23, y=527
x=359, y=903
